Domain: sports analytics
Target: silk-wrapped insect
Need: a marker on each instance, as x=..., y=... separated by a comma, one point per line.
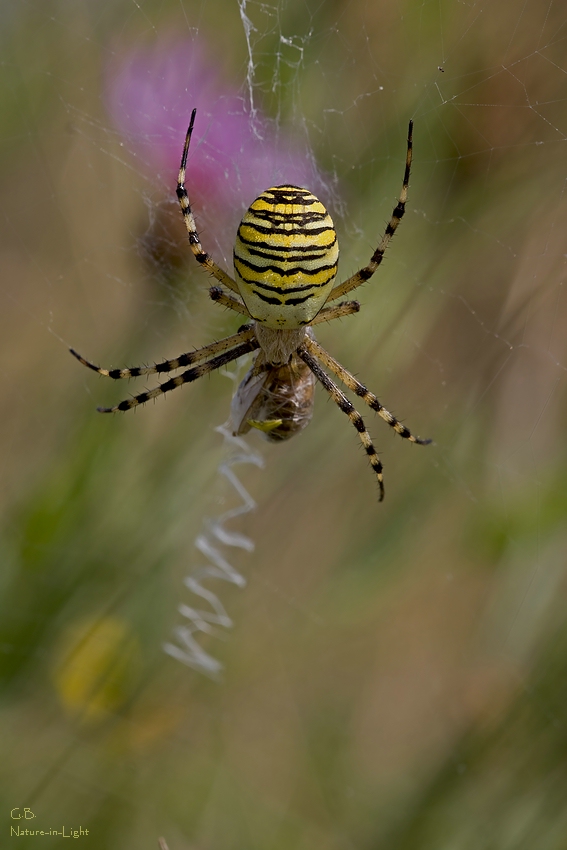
x=276, y=400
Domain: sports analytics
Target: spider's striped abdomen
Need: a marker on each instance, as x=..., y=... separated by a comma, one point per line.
x=285, y=257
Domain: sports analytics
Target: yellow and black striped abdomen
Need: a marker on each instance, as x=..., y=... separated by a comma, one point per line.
x=285, y=257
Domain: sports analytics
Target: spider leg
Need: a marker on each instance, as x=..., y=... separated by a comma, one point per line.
x=186, y=377
x=200, y=255
x=327, y=314
x=369, y=398
x=243, y=335
x=225, y=300
x=364, y=274
x=345, y=405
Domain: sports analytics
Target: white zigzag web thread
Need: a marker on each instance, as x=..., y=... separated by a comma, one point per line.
x=206, y=621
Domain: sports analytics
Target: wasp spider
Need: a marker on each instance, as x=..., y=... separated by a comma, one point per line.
x=285, y=262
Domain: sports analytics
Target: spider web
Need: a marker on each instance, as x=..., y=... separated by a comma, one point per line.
x=393, y=673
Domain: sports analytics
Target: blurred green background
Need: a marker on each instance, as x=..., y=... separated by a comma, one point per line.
x=397, y=674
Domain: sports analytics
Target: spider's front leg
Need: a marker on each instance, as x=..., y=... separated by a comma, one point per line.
x=244, y=334
x=186, y=377
x=216, y=354
x=347, y=407
x=369, y=398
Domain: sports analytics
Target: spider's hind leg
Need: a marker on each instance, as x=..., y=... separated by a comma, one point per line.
x=364, y=274
x=336, y=311
x=217, y=295
x=204, y=259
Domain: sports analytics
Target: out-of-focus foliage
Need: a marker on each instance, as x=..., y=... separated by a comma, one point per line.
x=396, y=673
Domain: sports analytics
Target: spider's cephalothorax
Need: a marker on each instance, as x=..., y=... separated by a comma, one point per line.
x=285, y=261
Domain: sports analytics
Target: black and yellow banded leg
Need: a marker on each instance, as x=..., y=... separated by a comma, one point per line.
x=369, y=398
x=327, y=314
x=217, y=295
x=186, y=377
x=346, y=406
x=364, y=274
x=187, y=359
x=200, y=255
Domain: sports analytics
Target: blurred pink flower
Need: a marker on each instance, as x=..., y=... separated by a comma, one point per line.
x=150, y=93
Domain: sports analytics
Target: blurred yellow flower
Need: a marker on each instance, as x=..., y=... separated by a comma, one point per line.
x=95, y=668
